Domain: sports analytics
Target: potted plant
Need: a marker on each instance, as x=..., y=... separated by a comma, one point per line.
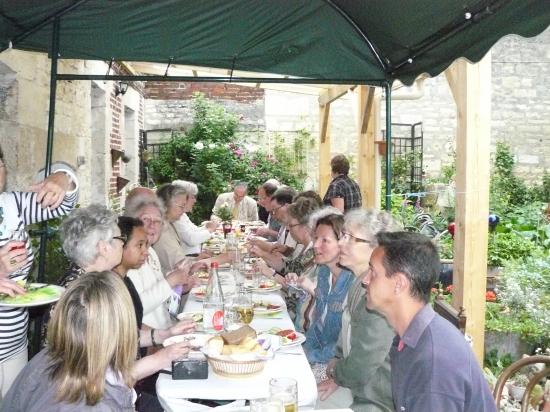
x=225, y=214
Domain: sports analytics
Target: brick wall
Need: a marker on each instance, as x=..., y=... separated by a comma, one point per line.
x=185, y=90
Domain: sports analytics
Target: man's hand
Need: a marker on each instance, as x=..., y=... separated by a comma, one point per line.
x=51, y=191
x=326, y=388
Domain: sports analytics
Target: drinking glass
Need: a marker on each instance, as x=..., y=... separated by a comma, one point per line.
x=286, y=390
x=245, y=306
x=266, y=405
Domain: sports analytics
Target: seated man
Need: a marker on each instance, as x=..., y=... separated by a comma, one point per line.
x=265, y=194
x=243, y=207
x=432, y=365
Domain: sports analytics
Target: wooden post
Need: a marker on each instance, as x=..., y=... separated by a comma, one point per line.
x=471, y=89
x=324, y=148
x=368, y=173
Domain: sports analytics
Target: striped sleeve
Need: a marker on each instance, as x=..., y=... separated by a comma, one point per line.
x=32, y=212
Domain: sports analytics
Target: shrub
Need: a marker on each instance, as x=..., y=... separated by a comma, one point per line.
x=212, y=157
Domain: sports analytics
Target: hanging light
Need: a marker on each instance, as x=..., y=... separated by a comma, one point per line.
x=121, y=88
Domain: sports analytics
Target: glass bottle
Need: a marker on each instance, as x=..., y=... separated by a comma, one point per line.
x=213, y=304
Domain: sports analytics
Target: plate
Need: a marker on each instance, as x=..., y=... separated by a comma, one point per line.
x=194, y=316
x=266, y=286
x=43, y=296
x=300, y=338
x=266, y=307
x=196, y=340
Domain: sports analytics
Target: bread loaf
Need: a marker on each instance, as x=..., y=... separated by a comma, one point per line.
x=235, y=337
x=215, y=346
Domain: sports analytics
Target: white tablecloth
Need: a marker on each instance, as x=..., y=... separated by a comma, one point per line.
x=172, y=393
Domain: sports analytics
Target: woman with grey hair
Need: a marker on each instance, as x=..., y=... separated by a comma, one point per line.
x=191, y=235
x=91, y=240
x=366, y=337
x=169, y=247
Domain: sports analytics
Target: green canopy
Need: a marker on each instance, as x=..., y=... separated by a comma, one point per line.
x=333, y=41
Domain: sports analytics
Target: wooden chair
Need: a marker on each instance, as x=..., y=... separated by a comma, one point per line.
x=516, y=366
x=447, y=311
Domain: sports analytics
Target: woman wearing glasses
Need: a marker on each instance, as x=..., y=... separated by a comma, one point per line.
x=91, y=240
x=359, y=375
x=170, y=248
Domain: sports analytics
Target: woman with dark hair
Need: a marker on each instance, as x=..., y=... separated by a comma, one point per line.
x=134, y=255
x=333, y=283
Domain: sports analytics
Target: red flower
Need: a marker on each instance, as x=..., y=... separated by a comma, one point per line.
x=434, y=290
x=490, y=296
x=449, y=289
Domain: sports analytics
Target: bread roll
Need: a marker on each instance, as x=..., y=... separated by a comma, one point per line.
x=215, y=346
x=237, y=336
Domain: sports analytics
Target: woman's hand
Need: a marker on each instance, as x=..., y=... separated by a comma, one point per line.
x=326, y=388
x=11, y=288
x=181, y=328
x=168, y=354
x=13, y=255
x=51, y=191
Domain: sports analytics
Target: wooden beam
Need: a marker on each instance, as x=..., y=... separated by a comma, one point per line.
x=367, y=107
x=368, y=173
x=324, y=148
x=333, y=93
x=471, y=89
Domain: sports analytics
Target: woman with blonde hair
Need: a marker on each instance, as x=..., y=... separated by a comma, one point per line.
x=90, y=354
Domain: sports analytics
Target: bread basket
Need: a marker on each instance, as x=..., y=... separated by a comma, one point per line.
x=236, y=368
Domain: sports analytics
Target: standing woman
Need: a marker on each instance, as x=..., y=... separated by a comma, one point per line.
x=53, y=197
x=360, y=373
x=88, y=362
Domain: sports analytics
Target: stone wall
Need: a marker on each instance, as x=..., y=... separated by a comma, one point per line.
x=520, y=107
x=88, y=122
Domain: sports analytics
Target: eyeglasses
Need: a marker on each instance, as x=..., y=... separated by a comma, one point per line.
x=122, y=238
x=276, y=208
x=151, y=221
x=346, y=237
x=294, y=225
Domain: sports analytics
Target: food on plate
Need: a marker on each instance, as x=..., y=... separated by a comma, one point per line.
x=266, y=284
x=194, y=316
x=288, y=334
x=199, y=292
x=35, y=292
x=266, y=305
x=202, y=274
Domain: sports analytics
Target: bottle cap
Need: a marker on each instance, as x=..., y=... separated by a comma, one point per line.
x=214, y=265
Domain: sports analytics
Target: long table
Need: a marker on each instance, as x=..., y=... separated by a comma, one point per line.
x=173, y=394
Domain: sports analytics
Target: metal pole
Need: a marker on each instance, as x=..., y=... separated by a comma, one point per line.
x=38, y=321
x=387, y=88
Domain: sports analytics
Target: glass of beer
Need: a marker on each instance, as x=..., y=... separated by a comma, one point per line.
x=286, y=390
x=244, y=306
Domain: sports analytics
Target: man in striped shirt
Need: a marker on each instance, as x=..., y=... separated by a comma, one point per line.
x=53, y=197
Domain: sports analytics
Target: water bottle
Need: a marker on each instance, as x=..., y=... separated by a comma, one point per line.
x=213, y=304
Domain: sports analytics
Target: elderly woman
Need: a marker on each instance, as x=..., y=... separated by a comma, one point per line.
x=333, y=283
x=154, y=289
x=90, y=355
x=191, y=235
x=366, y=337
x=91, y=240
x=170, y=248
x=52, y=197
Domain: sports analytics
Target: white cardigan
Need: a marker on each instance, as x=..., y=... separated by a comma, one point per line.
x=190, y=234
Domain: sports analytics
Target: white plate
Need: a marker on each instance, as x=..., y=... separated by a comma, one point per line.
x=196, y=340
x=275, y=286
x=300, y=338
x=39, y=301
x=195, y=316
x=262, y=310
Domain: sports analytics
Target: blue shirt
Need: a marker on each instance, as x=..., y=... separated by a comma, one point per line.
x=434, y=369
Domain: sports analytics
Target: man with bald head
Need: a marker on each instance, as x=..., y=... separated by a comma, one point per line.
x=243, y=207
